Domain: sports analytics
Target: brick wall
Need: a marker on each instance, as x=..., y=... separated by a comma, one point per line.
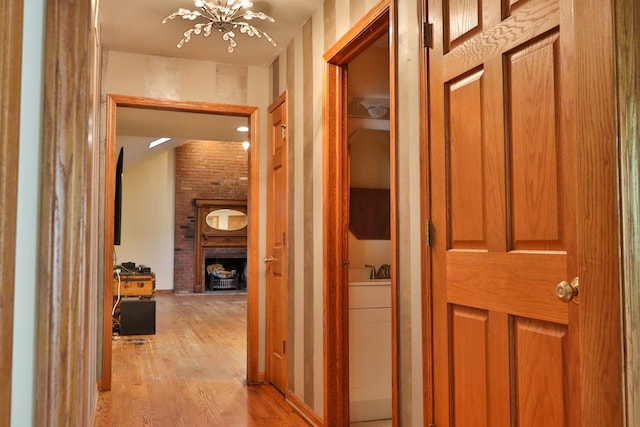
x=204, y=170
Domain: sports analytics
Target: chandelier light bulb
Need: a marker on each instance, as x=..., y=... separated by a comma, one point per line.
x=224, y=16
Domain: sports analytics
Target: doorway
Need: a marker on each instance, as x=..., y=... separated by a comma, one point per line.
x=251, y=113
x=375, y=25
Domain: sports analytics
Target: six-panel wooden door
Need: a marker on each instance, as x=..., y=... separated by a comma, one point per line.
x=503, y=210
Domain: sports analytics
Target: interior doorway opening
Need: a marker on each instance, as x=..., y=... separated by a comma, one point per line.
x=378, y=23
x=251, y=113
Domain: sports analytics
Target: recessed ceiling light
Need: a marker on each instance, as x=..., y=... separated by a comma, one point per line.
x=158, y=141
x=242, y=128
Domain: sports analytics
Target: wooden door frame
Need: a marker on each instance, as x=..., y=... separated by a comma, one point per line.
x=377, y=22
x=252, y=113
x=598, y=52
x=10, y=78
x=282, y=99
x=628, y=90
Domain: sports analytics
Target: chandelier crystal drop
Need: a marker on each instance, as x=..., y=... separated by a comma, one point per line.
x=223, y=16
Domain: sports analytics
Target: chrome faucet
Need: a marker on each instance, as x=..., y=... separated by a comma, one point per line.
x=384, y=272
x=372, y=274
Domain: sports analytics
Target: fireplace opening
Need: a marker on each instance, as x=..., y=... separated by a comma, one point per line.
x=225, y=273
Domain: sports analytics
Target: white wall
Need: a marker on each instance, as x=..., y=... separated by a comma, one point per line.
x=148, y=216
x=26, y=250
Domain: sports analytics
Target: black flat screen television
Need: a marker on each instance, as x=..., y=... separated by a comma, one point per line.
x=117, y=207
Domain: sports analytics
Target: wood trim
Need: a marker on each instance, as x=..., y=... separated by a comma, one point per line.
x=109, y=210
x=252, y=113
x=253, y=250
x=10, y=77
x=393, y=199
x=336, y=360
x=335, y=205
x=425, y=215
x=303, y=409
x=63, y=379
x=598, y=215
x=627, y=62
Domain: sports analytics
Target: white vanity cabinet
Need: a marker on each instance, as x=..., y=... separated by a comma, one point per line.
x=370, y=350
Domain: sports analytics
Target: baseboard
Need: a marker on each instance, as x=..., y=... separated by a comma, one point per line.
x=303, y=409
x=164, y=291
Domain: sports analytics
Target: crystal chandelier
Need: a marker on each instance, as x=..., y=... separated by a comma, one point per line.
x=224, y=16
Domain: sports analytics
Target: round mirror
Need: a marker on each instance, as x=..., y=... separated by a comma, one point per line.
x=226, y=219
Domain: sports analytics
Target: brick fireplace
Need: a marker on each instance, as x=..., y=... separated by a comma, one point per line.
x=204, y=169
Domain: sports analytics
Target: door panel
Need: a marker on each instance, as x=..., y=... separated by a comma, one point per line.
x=277, y=285
x=503, y=200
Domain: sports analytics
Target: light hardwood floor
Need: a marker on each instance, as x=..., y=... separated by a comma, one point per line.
x=191, y=372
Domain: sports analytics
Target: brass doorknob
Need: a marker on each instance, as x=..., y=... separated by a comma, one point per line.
x=567, y=292
x=268, y=259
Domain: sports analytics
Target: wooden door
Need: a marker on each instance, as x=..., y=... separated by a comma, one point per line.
x=276, y=259
x=503, y=211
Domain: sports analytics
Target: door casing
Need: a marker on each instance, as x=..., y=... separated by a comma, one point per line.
x=372, y=26
x=10, y=61
x=252, y=113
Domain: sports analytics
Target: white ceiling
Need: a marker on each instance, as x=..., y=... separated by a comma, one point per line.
x=136, y=26
x=136, y=127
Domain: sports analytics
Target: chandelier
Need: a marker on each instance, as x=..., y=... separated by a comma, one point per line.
x=223, y=16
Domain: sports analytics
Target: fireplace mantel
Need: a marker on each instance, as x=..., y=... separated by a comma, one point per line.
x=231, y=232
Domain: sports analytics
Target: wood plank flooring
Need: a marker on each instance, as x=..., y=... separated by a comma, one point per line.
x=191, y=372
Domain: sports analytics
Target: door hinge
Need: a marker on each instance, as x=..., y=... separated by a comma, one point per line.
x=428, y=233
x=284, y=347
x=427, y=35
x=283, y=127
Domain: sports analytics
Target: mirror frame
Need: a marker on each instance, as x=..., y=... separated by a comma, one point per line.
x=217, y=227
